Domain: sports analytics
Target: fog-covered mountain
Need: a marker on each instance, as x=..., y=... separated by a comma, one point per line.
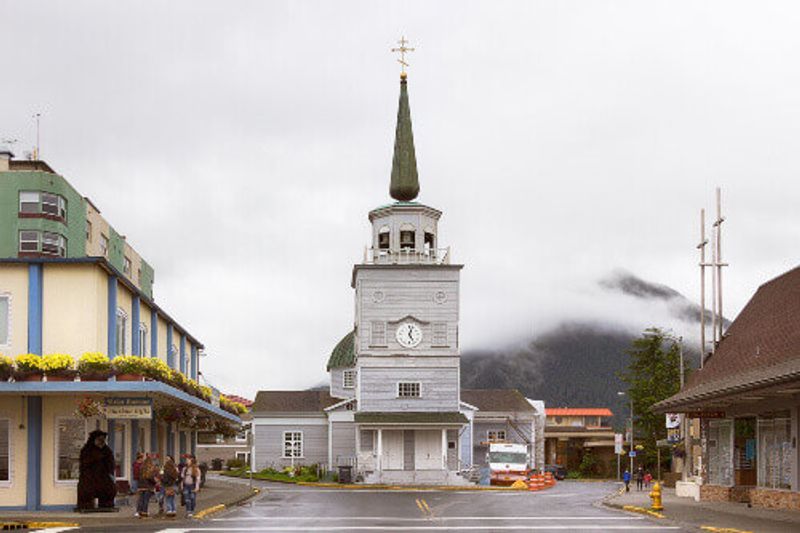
x=577, y=363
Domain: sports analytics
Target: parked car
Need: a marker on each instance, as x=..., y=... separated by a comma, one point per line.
x=558, y=471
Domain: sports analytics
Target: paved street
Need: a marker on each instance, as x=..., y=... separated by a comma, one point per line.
x=566, y=507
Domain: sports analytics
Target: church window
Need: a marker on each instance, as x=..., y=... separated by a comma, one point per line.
x=408, y=389
x=429, y=244
x=377, y=333
x=383, y=238
x=439, y=334
x=349, y=379
x=292, y=444
x=407, y=240
x=496, y=435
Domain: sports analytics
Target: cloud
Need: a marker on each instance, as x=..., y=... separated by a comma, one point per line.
x=239, y=147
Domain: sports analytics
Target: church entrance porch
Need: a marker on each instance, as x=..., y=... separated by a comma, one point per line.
x=408, y=453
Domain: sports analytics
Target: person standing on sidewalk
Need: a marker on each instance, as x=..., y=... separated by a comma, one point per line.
x=135, y=469
x=648, y=478
x=169, y=482
x=639, y=478
x=190, y=484
x=146, y=484
x=626, y=477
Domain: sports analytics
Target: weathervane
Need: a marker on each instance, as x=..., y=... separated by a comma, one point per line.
x=402, y=50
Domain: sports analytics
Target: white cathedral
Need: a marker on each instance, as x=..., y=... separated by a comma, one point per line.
x=395, y=411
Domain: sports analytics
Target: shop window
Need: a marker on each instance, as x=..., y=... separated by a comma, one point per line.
x=122, y=321
x=292, y=444
x=5, y=449
x=5, y=318
x=349, y=379
x=119, y=450
x=70, y=438
x=775, y=453
x=720, y=452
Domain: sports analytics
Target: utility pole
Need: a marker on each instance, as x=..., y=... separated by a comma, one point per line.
x=719, y=264
x=702, y=248
x=36, y=150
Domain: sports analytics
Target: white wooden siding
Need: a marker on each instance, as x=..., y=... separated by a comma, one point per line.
x=268, y=445
x=439, y=389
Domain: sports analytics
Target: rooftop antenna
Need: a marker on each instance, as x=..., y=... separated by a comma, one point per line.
x=36, y=151
x=703, y=265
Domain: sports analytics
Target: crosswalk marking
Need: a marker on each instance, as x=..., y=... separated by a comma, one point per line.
x=495, y=527
x=440, y=518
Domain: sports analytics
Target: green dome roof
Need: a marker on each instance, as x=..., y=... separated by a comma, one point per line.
x=344, y=354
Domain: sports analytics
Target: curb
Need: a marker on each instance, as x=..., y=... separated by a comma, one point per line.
x=11, y=526
x=635, y=509
x=209, y=511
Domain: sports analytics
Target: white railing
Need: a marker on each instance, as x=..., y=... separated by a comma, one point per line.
x=407, y=256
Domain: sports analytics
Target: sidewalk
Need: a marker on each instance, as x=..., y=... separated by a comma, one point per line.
x=217, y=494
x=690, y=514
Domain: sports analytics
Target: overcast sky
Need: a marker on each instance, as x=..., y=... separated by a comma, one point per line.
x=240, y=145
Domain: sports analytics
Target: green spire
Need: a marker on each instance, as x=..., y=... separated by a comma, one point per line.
x=405, y=182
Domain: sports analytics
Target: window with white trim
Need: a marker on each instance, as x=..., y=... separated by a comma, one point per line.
x=292, y=444
x=126, y=266
x=408, y=389
x=241, y=435
x=5, y=318
x=497, y=435
x=44, y=242
x=349, y=379
x=28, y=201
x=54, y=244
x=5, y=449
x=70, y=438
x=774, y=452
x=122, y=322
x=244, y=457
x=103, y=245
x=439, y=334
x=377, y=333
x=142, y=340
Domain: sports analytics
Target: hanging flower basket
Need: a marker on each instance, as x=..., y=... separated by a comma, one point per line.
x=89, y=408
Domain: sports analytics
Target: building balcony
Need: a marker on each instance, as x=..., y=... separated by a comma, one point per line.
x=407, y=256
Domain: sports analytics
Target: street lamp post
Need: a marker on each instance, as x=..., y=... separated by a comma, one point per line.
x=632, y=448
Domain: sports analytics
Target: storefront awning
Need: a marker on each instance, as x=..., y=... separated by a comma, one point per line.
x=113, y=387
x=427, y=418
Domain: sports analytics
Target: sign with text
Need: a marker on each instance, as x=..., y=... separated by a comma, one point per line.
x=128, y=408
x=618, y=443
x=705, y=414
x=673, y=420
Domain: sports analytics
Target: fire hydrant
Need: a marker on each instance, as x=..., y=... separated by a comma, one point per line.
x=655, y=495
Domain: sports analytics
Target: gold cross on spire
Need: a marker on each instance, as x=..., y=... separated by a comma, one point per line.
x=402, y=50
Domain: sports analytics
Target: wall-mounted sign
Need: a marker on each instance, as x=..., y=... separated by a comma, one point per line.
x=705, y=414
x=128, y=408
x=673, y=420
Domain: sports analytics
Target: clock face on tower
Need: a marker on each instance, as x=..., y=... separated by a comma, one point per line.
x=408, y=335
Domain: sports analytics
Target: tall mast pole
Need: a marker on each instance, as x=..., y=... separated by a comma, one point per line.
x=702, y=248
x=713, y=291
x=720, y=264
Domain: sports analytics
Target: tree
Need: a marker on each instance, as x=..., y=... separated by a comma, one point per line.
x=653, y=375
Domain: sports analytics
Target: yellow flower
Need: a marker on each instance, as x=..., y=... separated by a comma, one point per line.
x=55, y=362
x=29, y=362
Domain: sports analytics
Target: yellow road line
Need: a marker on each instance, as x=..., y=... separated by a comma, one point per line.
x=724, y=529
x=427, y=507
x=421, y=507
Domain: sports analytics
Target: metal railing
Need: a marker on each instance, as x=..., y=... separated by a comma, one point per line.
x=407, y=256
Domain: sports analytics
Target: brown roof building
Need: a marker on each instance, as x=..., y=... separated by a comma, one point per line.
x=747, y=396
